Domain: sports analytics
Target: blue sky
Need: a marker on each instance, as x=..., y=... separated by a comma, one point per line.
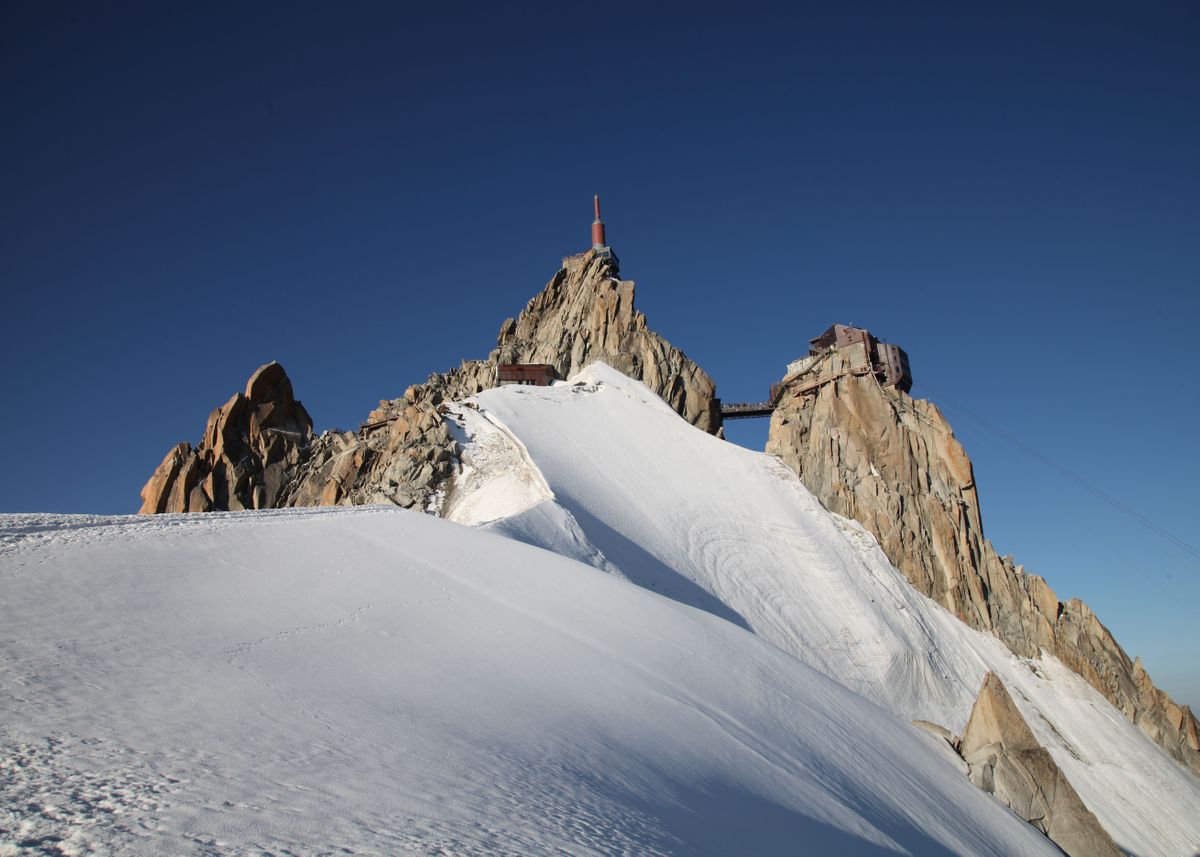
x=364, y=191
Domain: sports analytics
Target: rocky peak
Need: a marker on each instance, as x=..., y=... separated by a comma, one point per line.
x=586, y=314
x=892, y=463
x=258, y=449
x=250, y=445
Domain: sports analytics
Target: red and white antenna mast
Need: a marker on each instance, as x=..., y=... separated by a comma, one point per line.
x=598, y=242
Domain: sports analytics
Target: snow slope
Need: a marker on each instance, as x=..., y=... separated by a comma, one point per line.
x=370, y=681
x=625, y=484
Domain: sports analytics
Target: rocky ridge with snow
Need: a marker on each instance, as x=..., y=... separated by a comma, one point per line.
x=600, y=470
x=586, y=315
x=403, y=453
x=1005, y=759
x=874, y=455
x=252, y=447
x=892, y=463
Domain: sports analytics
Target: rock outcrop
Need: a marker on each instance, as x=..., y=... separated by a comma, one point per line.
x=586, y=314
x=940, y=731
x=252, y=446
x=892, y=463
x=404, y=453
x=1005, y=759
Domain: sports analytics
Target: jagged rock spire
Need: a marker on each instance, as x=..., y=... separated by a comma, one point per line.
x=258, y=450
x=250, y=446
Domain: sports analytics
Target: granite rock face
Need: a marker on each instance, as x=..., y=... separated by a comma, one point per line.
x=252, y=446
x=403, y=453
x=585, y=314
x=892, y=463
x=1006, y=760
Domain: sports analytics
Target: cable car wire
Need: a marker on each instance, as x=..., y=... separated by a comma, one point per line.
x=1078, y=480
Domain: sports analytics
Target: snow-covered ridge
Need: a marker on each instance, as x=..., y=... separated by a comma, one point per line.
x=380, y=681
x=735, y=533
x=383, y=682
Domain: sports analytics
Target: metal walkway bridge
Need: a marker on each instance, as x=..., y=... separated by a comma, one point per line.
x=791, y=385
x=746, y=410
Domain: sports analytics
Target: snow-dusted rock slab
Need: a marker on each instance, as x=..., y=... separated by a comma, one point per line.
x=1007, y=761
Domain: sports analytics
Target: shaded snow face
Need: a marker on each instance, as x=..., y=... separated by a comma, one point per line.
x=637, y=491
x=381, y=681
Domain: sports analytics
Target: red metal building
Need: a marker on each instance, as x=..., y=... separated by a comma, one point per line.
x=531, y=374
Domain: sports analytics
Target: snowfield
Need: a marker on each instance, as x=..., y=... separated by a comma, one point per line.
x=630, y=638
x=372, y=681
x=737, y=534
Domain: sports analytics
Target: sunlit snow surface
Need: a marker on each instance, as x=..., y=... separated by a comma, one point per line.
x=380, y=681
x=735, y=533
x=375, y=681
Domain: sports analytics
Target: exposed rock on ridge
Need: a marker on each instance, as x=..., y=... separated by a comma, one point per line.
x=1006, y=760
x=403, y=453
x=892, y=463
x=584, y=315
x=251, y=447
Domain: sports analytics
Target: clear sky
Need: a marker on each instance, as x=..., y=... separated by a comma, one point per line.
x=364, y=191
